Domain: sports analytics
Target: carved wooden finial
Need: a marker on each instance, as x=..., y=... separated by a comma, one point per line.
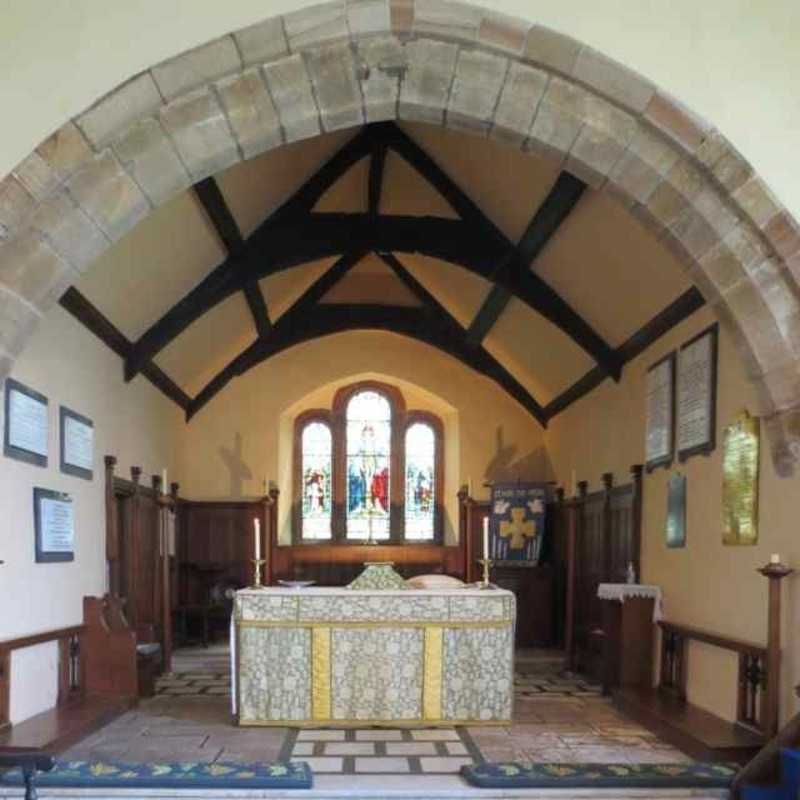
x=583, y=488
x=136, y=474
x=156, y=481
x=608, y=480
x=110, y=462
x=173, y=490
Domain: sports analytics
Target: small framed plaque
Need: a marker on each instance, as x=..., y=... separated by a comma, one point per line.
x=54, y=522
x=26, y=425
x=697, y=395
x=77, y=444
x=660, y=429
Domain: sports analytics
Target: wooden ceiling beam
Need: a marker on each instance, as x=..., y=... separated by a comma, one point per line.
x=377, y=162
x=95, y=321
x=550, y=215
x=438, y=315
x=329, y=319
x=219, y=214
x=675, y=313
x=544, y=298
x=213, y=287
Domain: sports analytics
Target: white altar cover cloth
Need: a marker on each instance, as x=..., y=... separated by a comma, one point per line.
x=382, y=657
x=621, y=591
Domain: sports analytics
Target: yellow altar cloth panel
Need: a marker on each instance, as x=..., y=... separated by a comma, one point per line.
x=321, y=673
x=432, y=676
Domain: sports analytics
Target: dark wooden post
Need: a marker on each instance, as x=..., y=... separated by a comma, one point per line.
x=608, y=483
x=637, y=470
x=269, y=534
x=112, y=533
x=132, y=552
x=463, y=540
x=775, y=573
x=573, y=507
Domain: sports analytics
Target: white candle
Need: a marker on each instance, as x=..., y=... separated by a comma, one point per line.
x=266, y=486
x=775, y=559
x=469, y=486
x=164, y=485
x=486, y=537
x=257, y=523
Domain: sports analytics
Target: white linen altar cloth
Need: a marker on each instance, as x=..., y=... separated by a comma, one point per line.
x=333, y=656
x=621, y=591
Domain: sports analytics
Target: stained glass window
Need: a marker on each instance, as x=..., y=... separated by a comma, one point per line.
x=369, y=434
x=420, y=481
x=316, y=477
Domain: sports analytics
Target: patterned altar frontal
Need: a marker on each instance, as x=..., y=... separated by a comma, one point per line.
x=388, y=658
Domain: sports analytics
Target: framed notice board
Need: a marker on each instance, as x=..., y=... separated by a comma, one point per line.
x=25, y=435
x=54, y=526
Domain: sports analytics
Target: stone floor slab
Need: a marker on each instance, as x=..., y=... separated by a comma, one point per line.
x=381, y=735
x=435, y=735
x=313, y=735
x=411, y=748
x=349, y=749
x=382, y=764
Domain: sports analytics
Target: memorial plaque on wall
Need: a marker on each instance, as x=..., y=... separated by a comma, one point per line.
x=740, y=467
x=676, y=511
x=54, y=522
x=26, y=429
x=697, y=394
x=660, y=412
x=77, y=444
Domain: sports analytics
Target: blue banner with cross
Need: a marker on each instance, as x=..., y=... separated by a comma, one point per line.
x=517, y=521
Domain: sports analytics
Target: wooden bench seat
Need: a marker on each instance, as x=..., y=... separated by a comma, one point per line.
x=696, y=732
x=59, y=728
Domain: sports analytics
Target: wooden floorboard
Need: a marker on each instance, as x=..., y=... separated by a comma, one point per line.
x=59, y=728
x=694, y=730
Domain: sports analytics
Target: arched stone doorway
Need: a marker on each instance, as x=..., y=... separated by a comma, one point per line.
x=329, y=67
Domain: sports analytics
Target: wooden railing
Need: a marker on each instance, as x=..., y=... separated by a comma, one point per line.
x=752, y=675
x=71, y=672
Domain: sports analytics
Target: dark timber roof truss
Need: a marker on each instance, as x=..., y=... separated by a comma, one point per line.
x=294, y=235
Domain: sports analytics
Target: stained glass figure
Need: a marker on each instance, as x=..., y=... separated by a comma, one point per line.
x=369, y=433
x=316, y=475
x=420, y=481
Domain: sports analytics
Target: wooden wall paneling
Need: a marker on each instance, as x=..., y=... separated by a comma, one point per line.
x=112, y=527
x=131, y=577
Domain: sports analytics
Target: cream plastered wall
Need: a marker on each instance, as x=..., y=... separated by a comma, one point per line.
x=705, y=584
x=134, y=422
x=243, y=436
x=735, y=63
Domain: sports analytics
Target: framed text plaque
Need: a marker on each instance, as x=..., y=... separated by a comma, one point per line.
x=26, y=430
x=77, y=444
x=740, y=469
x=660, y=426
x=697, y=395
x=54, y=522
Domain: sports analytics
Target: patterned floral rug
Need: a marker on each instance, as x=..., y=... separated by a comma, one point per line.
x=228, y=775
x=567, y=776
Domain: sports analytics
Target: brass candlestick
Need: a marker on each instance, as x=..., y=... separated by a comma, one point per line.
x=257, y=564
x=486, y=563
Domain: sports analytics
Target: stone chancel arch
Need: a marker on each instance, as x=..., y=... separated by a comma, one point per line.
x=343, y=64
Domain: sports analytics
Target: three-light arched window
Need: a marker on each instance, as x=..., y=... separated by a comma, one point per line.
x=368, y=470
